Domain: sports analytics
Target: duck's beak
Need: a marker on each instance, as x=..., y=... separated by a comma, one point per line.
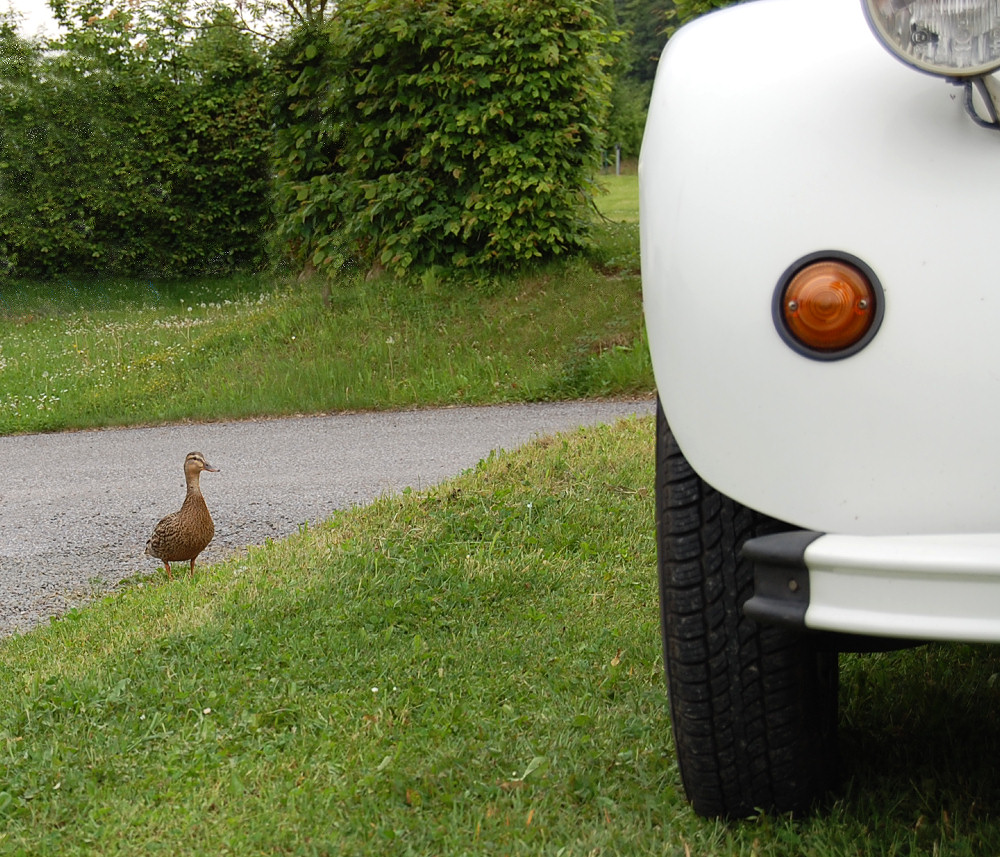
x=211, y=469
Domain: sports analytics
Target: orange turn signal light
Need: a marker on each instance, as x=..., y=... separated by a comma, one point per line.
x=828, y=307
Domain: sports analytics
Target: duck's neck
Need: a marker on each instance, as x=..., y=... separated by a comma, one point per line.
x=193, y=486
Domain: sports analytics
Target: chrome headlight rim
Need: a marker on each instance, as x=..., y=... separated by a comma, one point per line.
x=907, y=49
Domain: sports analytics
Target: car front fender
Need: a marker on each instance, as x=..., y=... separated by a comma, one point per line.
x=778, y=129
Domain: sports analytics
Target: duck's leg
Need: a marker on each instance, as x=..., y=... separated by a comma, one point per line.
x=192, y=568
x=167, y=566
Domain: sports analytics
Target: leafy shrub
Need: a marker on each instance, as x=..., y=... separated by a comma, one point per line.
x=426, y=135
x=121, y=155
x=308, y=141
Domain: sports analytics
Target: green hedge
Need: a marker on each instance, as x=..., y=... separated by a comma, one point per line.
x=426, y=136
x=419, y=136
x=115, y=161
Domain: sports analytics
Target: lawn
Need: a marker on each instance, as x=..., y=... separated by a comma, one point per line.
x=472, y=669
x=80, y=354
x=619, y=200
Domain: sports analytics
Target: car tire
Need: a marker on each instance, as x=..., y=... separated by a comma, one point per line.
x=753, y=708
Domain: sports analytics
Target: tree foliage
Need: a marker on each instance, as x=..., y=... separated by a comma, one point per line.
x=644, y=23
x=424, y=135
x=688, y=10
x=139, y=146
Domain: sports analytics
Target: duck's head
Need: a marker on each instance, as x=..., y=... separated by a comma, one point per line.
x=196, y=462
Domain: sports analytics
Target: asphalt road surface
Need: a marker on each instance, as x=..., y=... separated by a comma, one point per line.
x=78, y=507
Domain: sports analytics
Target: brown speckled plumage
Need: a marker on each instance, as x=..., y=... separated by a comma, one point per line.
x=184, y=534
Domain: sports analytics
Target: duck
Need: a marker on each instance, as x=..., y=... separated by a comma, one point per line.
x=184, y=534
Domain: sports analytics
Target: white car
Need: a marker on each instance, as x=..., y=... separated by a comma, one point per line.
x=822, y=299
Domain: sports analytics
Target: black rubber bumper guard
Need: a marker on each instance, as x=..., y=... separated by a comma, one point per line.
x=781, y=578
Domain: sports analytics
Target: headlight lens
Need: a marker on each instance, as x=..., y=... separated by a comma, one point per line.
x=953, y=38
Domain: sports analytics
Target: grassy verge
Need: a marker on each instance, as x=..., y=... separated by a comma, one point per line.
x=82, y=354
x=619, y=202
x=474, y=669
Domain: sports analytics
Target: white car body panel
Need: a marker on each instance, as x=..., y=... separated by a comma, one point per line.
x=779, y=128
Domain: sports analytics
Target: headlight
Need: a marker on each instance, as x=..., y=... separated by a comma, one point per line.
x=952, y=38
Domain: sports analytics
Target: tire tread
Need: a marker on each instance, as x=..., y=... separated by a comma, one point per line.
x=753, y=708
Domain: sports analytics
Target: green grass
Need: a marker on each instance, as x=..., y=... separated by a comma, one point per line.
x=620, y=202
x=79, y=354
x=474, y=669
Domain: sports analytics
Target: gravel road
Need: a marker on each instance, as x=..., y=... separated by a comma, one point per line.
x=78, y=507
